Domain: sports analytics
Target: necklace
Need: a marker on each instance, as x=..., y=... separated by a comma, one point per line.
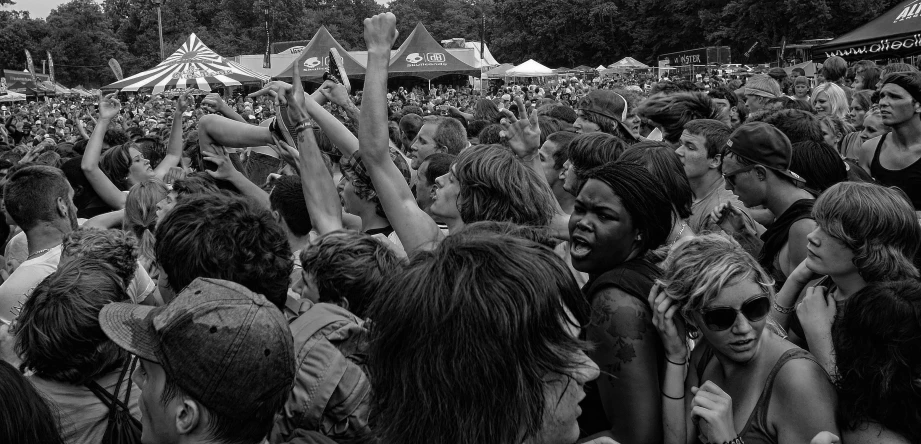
x=39, y=253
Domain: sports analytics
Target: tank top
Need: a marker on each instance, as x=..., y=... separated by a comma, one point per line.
x=634, y=277
x=756, y=429
x=907, y=179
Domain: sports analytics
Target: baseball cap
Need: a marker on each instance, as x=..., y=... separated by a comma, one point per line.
x=605, y=102
x=354, y=169
x=225, y=346
x=763, y=144
x=761, y=85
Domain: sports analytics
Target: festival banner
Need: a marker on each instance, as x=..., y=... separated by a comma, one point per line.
x=267, y=60
x=116, y=69
x=31, y=68
x=50, y=67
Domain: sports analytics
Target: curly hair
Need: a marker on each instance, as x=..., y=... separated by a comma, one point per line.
x=877, y=341
x=697, y=270
x=58, y=333
x=877, y=223
x=349, y=266
x=228, y=237
x=116, y=247
x=141, y=214
x=495, y=185
x=499, y=296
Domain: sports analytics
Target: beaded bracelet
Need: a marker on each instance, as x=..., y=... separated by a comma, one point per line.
x=784, y=310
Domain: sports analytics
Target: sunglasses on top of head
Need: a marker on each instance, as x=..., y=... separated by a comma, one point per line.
x=722, y=318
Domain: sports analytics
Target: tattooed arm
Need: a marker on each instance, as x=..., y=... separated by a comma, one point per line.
x=626, y=343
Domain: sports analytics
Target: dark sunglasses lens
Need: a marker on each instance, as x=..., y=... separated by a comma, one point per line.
x=720, y=319
x=756, y=309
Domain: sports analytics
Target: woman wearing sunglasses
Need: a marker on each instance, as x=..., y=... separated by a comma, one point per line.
x=866, y=233
x=742, y=382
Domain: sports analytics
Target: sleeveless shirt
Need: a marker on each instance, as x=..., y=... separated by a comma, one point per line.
x=757, y=428
x=907, y=179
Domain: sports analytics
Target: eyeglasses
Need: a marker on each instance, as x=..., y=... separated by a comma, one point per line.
x=721, y=318
x=731, y=177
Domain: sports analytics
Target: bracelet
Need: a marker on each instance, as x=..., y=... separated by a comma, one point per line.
x=736, y=440
x=676, y=363
x=671, y=397
x=302, y=126
x=784, y=310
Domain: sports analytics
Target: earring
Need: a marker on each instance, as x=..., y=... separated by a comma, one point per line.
x=693, y=332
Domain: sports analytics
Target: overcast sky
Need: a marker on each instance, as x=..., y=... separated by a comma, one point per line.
x=41, y=8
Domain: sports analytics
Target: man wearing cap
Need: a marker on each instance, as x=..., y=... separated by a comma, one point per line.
x=603, y=110
x=756, y=166
x=758, y=90
x=216, y=364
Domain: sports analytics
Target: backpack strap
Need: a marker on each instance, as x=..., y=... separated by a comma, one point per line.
x=111, y=401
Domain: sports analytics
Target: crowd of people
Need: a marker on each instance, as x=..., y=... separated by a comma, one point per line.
x=707, y=261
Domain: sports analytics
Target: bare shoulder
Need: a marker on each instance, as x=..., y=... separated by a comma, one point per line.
x=622, y=314
x=864, y=153
x=802, y=227
x=803, y=382
x=872, y=433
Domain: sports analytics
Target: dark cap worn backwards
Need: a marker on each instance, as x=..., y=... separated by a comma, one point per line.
x=225, y=346
x=763, y=144
x=353, y=168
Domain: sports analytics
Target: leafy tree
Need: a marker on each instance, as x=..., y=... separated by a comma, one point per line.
x=79, y=43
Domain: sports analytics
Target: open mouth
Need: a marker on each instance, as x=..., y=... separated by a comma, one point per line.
x=742, y=345
x=579, y=247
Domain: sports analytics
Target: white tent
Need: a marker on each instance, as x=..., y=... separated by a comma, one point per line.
x=600, y=68
x=12, y=97
x=529, y=69
x=628, y=62
x=487, y=60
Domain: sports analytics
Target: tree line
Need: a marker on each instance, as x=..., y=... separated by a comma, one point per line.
x=83, y=34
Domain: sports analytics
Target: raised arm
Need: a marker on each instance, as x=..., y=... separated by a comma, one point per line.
x=226, y=171
x=174, y=149
x=107, y=191
x=339, y=95
x=214, y=103
x=338, y=134
x=414, y=227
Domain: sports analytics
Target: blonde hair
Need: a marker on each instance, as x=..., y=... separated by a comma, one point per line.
x=696, y=271
x=877, y=223
x=141, y=214
x=837, y=99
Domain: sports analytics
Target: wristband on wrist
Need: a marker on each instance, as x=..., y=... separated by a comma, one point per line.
x=736, y=440
x=784, y=310
x=672, y=397
x=676, y=363
x=303, y=125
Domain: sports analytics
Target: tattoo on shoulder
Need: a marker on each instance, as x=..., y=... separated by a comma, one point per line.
x=622, y=324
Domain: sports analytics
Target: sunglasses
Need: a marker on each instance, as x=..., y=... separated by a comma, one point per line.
x=731, y=177
x=722, y=318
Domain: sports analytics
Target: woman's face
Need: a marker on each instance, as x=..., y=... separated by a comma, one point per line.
x=140, y=169
x=632, y=123
x=896, y=105
x=872, y=127
x=856, y=114
x=602, y=234
x=821, y=104
x=562, y=396
x=828, y=255
x=741, y=341
x=444, y=202
x=831, y=137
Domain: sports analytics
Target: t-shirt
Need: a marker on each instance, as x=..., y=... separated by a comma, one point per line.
x=83, y=416
x=700, y=210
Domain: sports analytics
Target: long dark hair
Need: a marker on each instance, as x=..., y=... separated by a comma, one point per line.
x=25, y=415
x=878, y=354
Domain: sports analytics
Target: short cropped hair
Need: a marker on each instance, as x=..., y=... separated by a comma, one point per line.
x=715, y=133
x=834, y=69
x=349, y=266
x=437, y=165
x=644, y=198
x=449, y=133
x=499, y=296
x=564, y=113
x=591, y=150
x=550, y=125
x=410, y=124
x=877, y=223
x=660, y=159
x=287, y=198
x=30, y=195
x=675, y=110
x=797, y=125
x=698, y=269
x=562, y=140
x=58, y=333
x=227, y=237
x=495, y=185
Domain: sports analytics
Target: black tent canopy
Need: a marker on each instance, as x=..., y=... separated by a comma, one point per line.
x=422, y=56
x=895, y=34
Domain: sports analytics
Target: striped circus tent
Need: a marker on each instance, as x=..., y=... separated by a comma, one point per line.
x=193, y=65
